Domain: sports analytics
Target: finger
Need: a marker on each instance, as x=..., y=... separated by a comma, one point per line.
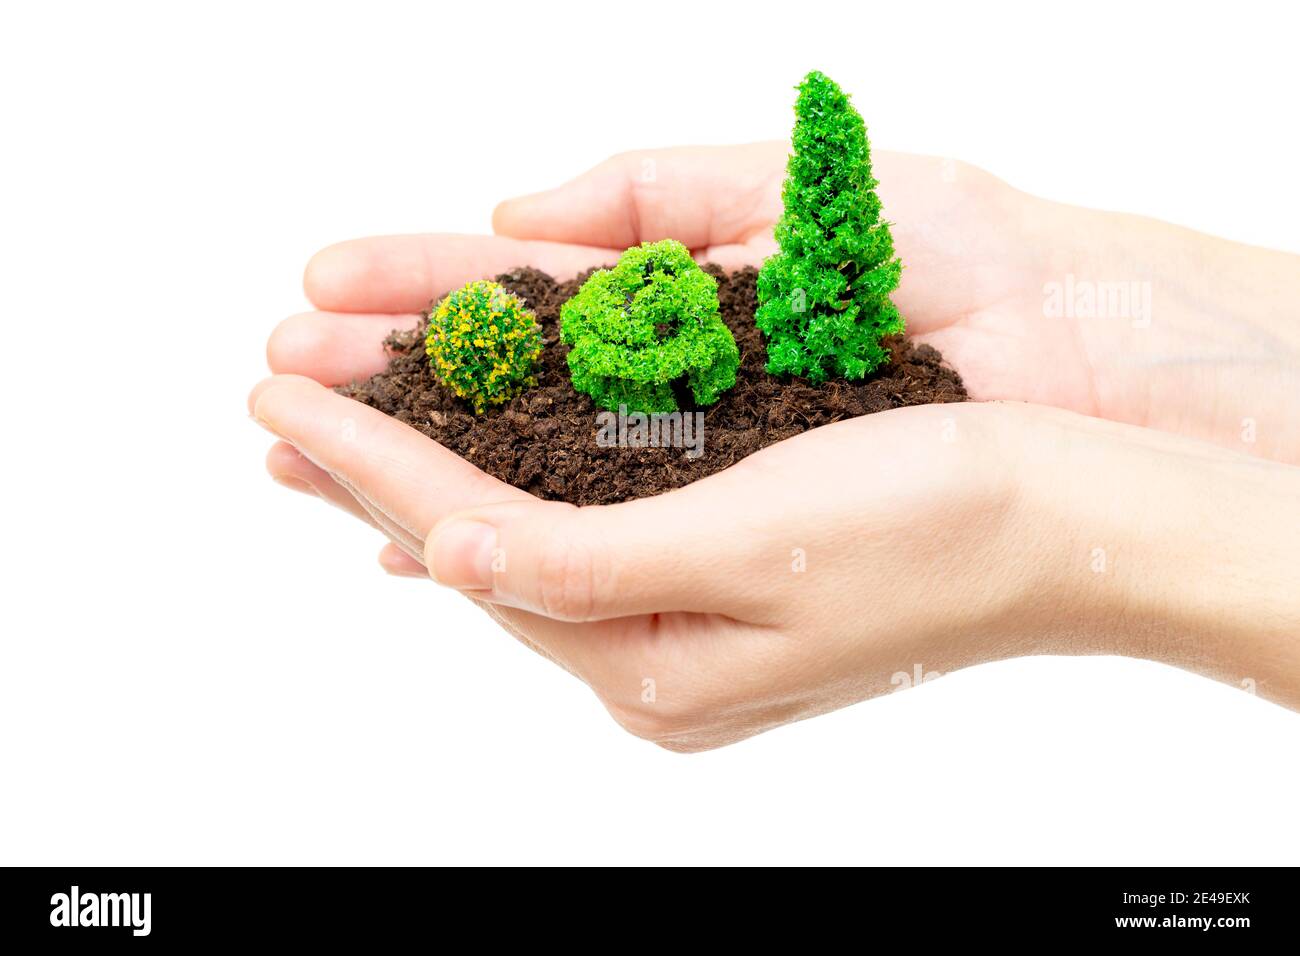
x=292, y=470
x=673, y=552
x=334, y=348
x=412, y=542
x=398, y=563
x=737, y=255
x=605, y=653
x=702, y=196
x=403, y=274
x=411, y=482
x=596, y=653
x=295, y=484
x=398, y=475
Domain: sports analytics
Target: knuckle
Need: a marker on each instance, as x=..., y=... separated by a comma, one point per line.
x=566, y=580
x=627, y=161
x=291, y=340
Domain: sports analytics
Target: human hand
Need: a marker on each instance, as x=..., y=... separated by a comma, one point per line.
x=981, y=304
x=817, y=571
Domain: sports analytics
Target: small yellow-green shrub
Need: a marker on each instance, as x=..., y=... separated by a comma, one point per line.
x=483, y=344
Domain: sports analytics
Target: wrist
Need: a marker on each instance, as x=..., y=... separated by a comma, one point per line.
x=1178, y=552
x=1228, y=604
x=1184, y=332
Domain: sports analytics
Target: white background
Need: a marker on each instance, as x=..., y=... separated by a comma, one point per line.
x=200, y=667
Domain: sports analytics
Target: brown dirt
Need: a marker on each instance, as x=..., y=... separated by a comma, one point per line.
x=544, y=441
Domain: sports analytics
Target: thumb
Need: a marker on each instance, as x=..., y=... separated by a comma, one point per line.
x=684, y=193
x=595, y=563
x=599, y=207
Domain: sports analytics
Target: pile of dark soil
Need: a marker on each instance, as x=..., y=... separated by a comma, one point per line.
x=545, y=441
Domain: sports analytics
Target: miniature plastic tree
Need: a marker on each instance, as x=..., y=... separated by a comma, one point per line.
x=824, y=297
x=647, y=327
x=483, y=344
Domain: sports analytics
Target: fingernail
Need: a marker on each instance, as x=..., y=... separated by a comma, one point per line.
x=462, y=555
x=403, y=572
x=263, y=423
x=296, y=484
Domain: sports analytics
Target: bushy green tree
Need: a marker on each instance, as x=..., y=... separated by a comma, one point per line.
x=483, y=344
x=645, y=326
x=824, y=297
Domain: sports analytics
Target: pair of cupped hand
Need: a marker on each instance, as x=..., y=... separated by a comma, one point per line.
x=810, y=574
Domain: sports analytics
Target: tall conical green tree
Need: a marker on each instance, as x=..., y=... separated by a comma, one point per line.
x=824, y=297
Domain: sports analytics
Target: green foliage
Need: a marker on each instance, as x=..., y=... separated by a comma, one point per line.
x=649, y=323
x=824, y=297
x=483, y=344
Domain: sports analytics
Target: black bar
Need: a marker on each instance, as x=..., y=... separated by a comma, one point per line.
x=1172, y=907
